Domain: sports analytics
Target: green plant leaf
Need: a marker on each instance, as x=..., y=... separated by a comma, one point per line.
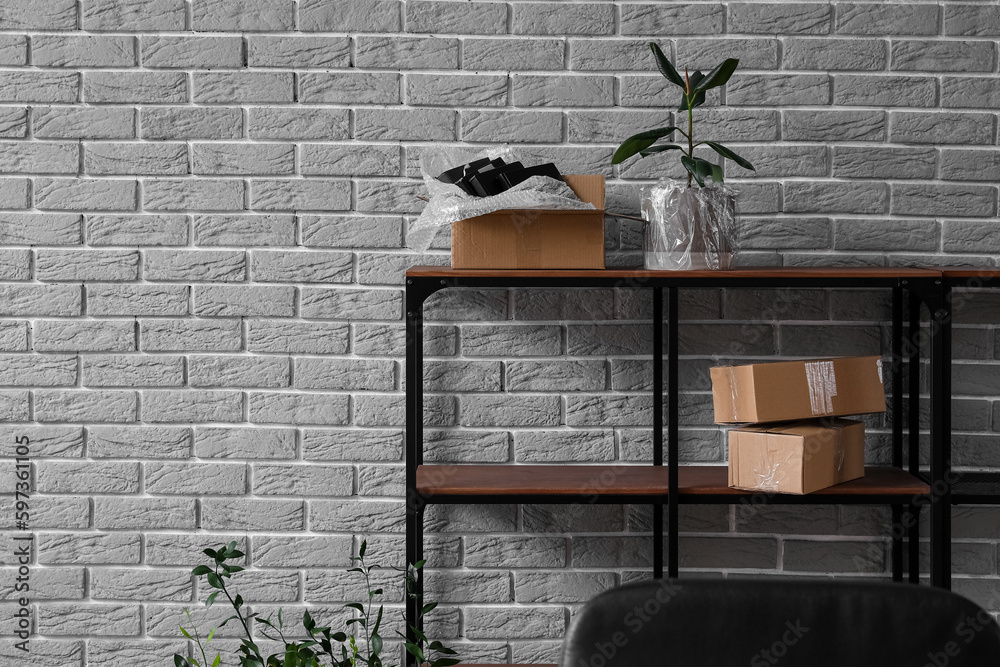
x=200, y=570
x=214, y=580
x=716, y=173
x=665, y=67
x=211, y=598
x=378, y=621
x=355, y=605
x=211, y=553
x=238, y=602
x=235, y=568
x=415, y=651
x=419, y=564
x=339, y=637
x=445, y=662
x=693, y=169
x=719, y=75
x=363, y=549
x=376, y=644
x=428, y=608
x=639, y=142
x=730, y=155
x=180, y=661
x=210, y=635
x=307, y=621
x=218, y=660
x=185, y=633
x=652, y=150
x=699, y=97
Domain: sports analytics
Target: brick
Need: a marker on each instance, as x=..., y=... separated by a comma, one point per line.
x=783, y=89
x=511, y=126
x=461, y=375
x=88, y=619
x=44, y=441
x=40, y=229
x=510, y=410
x=176, y=548
x=141, y=653
x=264, y=443
x=85, y=406
x=186, y=123
x=14, y=50
x=86, y=264
x=381, y=480
x=83, y=51
x=494, y=551
x=144, y=513
x=41, y=14
x=83, y=548
x=560, y=586
x=248, y=230
x=941, y=128
x=39, y=87
x=14, y=193
x=969, y=236
x=971, y=20
x=138, y=442
x=349, y=160
x=135, y=87
x=561, y=447
x=481, y=18
x=243, y=301
x=289, y=408
x=141, y=585
x=390, y=268
x=195, y=265
x=810, y=53
x=225, y=87
x=132, y=371
x=138, y=230
x=163, y=335
x=85, y=194
x=389, y=196
x=792, y=18
x=366, y=516
x=13, y=406
x=303, y=480
x=497, y=622
x=238, y=371
x=307, y=551
x=200, y=194
x=299, y=124
x=51, y=583
x=350, y=16
x=242, y=15
x=960, y=91
x=405, y=52
x=352, y=304
x=874, y=19
x=14, y=336
x=352, y=445
x=87, y=477
x=140, y=15
x=943, y=56
x=83, y=123
x=291, y=195
x=297, y=337
x=39, y=158
x=706, y=54
x=197, y=478
x=555, y=376
x=234, y=159
x=833, y=126
x=169, y=52
x=298, y=52
x=511, y=339
x=877, y=162
x=350, y=88
x=134, y=159
x=898, y=91
x=48, y=370
x=384, y=410
x=572, y=91
x=351, y=231
x=137, y=300
x=345, y=374
x=952, y=199
x=547, y=18
x=13, y=122
x=192, y=406
x=40, y=300
x=456, y=89
x=252, y=514
x=808, y=556
x=836, y=197
x=89, y=336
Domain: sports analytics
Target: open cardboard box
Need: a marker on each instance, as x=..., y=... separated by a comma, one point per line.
x=535, y=238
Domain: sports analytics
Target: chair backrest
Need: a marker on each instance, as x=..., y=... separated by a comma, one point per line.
x=765, y=622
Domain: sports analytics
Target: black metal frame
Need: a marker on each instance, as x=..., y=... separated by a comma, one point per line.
x=932, y=293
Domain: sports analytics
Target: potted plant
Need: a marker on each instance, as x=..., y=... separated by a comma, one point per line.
x=359, y=645
x=687, y=227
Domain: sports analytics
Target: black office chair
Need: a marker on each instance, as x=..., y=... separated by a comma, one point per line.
x=765, y=622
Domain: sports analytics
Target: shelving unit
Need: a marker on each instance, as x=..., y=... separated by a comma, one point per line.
x=666, y=484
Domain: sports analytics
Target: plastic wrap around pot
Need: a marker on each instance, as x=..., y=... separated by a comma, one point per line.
x=689, y=227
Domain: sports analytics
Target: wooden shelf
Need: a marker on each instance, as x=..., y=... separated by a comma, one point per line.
x=768, y=272
x=618, y=483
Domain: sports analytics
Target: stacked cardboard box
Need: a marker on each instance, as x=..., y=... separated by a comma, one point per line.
x=795, y=441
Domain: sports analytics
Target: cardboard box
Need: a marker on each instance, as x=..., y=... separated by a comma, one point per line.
x=786, y=390
x=800, y=457
x=535, y=239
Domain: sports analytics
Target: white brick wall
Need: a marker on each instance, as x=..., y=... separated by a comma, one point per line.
x=203, y=206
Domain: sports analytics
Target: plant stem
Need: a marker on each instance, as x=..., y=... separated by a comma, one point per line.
x=368, y=613
x=239, y=614
x=690, y=134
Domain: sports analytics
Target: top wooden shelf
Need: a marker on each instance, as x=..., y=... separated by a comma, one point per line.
x=880, y=272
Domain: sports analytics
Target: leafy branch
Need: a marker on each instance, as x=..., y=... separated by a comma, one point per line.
x=694, y=87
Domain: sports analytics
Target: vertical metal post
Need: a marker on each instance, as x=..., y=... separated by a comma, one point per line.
x=940, y=390
x=672, y=435
x=912, y=354
x=658, y=425
x=414, y=449
x=897, y=425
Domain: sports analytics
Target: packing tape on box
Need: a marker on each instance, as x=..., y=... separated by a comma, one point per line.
x=822, y=382
x=733, y=391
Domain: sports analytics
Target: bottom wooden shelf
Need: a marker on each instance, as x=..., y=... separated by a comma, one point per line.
x=632, y=483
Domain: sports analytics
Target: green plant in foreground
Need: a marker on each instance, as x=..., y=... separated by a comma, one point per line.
x=693, y=87
x=322, y=647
